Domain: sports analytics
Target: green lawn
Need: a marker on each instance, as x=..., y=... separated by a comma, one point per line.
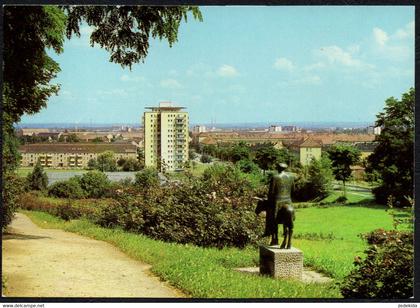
x=328, y=237
x=197, y=171
x=23, y=171
x=352, y=196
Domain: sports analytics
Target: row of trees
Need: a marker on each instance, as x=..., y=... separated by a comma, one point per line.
x=106, y=162
x=265, y=155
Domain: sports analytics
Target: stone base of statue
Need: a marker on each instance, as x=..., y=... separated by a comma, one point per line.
x=281, y=263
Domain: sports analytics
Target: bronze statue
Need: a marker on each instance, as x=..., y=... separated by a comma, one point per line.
x=278, y=207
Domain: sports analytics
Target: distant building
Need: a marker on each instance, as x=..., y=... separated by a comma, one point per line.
x=71, y=155
x=376, y=130
x=31, y=131
x=199, y=129
x=274, y=129
x=290, y=128
x=166, y=137
x=307, y=150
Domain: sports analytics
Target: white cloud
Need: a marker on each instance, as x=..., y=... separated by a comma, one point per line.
x=236, y=88
x=380, y=36
x=173, y=73
x=200, y=70
x=394, y=46
x=227, y=71
x=355, y=48
x=335, y=55
x=314, y=66
x=130, y=78
x=283, y=64
x=307, y=80
x=170, y=84
x=406, y=32
x=113, y=92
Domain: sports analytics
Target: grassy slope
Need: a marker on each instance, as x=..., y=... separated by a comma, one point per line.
x=209, y=272
x=343, y=224
x=200, y=272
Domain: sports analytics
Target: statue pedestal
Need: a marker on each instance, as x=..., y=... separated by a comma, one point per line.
x=281, y=263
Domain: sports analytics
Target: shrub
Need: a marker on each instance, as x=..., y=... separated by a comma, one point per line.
x=33, y=202
x=12, y=188
x=341, y=199
x=94, y=183
x=205, y=159
x=131, y=164
x=67, y=189
x=37, y=179
x=147, y=178
x=247, y=166
x=192, y=154
x=67, y=211
x=121, y=161
x=387, y=271
x=225, y=179
x=187, y=213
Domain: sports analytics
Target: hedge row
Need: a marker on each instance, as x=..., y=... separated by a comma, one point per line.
x=214, y=211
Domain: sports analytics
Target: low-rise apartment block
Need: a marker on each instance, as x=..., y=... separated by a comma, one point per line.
x=71, y=155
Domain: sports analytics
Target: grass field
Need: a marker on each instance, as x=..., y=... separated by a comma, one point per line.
x=23, y=171
x=352, y=196
x=328, y=237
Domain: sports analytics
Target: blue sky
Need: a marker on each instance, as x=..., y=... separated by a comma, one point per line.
x=248, y=64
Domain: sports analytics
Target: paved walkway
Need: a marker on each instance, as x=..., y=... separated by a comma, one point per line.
x=52, y=263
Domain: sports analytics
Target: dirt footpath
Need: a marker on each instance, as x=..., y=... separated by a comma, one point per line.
x=52, y=263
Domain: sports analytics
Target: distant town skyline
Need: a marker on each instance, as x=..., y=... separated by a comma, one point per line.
x=248, y=65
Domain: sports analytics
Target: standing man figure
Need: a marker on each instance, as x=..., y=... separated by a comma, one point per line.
x=279, y=207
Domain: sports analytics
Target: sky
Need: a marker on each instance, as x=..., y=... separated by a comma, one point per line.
x=248, y=64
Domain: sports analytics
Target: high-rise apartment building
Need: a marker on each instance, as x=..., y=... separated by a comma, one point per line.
x=165, y=137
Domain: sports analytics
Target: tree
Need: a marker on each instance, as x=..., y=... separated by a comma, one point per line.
x=30, y=30
x=131, y=164
x=121, y=161
x=205, y=159
x=66, y=189
x=314, y=180
x=28, y=70
x=209, y=149
x=392, y=160
x=140, y=156
x=247, y=166
x=106, y=161
x=342, y=158
x=12, y=187
x=97, y=140
x=125, y=31
x=72, y=138
x=94, y=183
x=266, y=156
x=192, y=154
x=92, y=164
x=37, y=179
x=238, y=152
